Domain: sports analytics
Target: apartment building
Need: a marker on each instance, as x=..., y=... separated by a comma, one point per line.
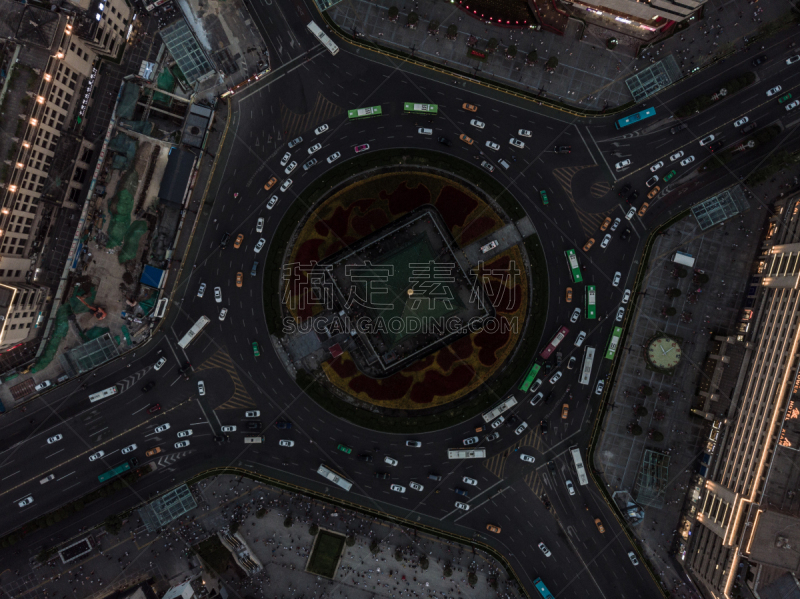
x=53, y=160
x=745, y=491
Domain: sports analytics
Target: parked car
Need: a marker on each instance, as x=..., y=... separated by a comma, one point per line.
x=622, y=164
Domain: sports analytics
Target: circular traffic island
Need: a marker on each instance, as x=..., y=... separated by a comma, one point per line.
x=403, y=296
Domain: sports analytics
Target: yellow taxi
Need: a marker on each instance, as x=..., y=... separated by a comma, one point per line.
x=564, y=411
x=493, y=528
x=238, y=279
x=569, y=294
x=271, y=183
x=605, y=224
x=239, y=239
x=653, y=192
x=599, y=525
x=466, y=139
x=470, y=107
x=643, y=209
x=152, y=452
x=587, y=246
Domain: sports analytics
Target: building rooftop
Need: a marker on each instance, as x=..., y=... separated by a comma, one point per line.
x=176, y=176
x=187, y=52
x=37, y=26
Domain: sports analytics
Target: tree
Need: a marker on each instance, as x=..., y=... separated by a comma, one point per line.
x=313, y=530
x=261, y=512
x=452, y=32
x=472, y=578
x=233, y=527
x=433, y=27
x=702, y=279
x=671, y=311
x=647, y=391
x=393, y=12
x=350, y=541
x=113, y=524
x=641, y=411
x=532, y=57
x=611, y=43
x=423, y=562
x=491, y=45
x=551, y=63
x=288, y=522
x=682, y=273
x=511, y=52
x=413, y=19
x=448, y=571
x=674, y=292
x=398, y=554
x=374, y=547
x=657, y=436
x=636, y=430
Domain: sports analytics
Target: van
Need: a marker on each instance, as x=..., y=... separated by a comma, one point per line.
x=504, y=164
x=254, y=270
x=425, y=131
x=254, y=439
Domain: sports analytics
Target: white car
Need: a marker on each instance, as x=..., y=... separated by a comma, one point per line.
x=259, y=245
x=527, y=458
x=792, y=106
x=521, y=428
x=416, y=486
x=321, y=129
x=676, y=156
x=97, y=456
x=793, y=59
x=186, y=433
x=498, y=422
x=687, y=160
x=580, y=339
x=606, y=241
x=26, y=501
x=129, y=449
x=230, y=428
x=286, y=443
x=314, y=148
x=615, y=224
x=626, y=296
x=621, y=165
x=524, y=133
x=477, y=123
x=223, y=313
x=516, y=143
x=555, y=377
x=492, y=146
x=462, y=506
x=159, y=364
x=252, y=414
x=162, y=428
x=271, y=204
x=617, y=278
x=599, y=389
x=201, y=387
x=537, y=398
x=398, y=488
x=47, y=479
x=571, y=363
x=218, y=294
x=544, y=549
x=470, y=481
x=576, y=313
x=773, y=91
x=633, y=559
x=180, y=444
x=570, y=487
x=291, y=167
x=285, y=159
x=286, y=185
x=413, y=444
x=470, y=441
x=334, y=157
x=390, y=461
x=656, y=166
x=260, y=224
x=706, y=140
x=620, y=314
x=202, y=290
x=54, y=439
x=630, y=213
x=741, y=121
x=295, y=141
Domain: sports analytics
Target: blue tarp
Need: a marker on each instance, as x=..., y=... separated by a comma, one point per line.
x=153, y=277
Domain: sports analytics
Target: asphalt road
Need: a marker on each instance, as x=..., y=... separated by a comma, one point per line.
x=309, y=89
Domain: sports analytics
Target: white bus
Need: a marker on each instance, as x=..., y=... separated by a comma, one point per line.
x=464, y=454
x=254, y=439
x=586, y=368
x=576, y=456
x=499, y=409
x=103, y=394
x=201, y=323
x=334, y=478
x=324, y=39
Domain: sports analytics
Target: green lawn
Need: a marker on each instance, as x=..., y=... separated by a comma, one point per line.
x=325, y=555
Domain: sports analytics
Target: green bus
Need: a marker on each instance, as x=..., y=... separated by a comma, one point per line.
x=122, y=468
x=574, y=267
x=344, y=448
x=526, y=384
x=613, y=343
x=363, y=113
x=591, y=302
x=414, y=108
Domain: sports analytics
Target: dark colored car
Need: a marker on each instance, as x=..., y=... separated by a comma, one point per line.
x=625, y=234
x=715, y=146
x=365, y=457
x=562, y=149
x=677, y=128
x=625, y=189
x=633, y=196
x=284, y=424
x=551, y=465
x=548, y=366
x=760, y=60
x=381, y=475
x=148, y=386
x=461, y=492
x=444, y=141
x=184, y=370
x=253, y=425
x=436, y=477
x=225, y=239
x=543, y=426
x=154, y=408
x=748, y=128
x=134, y=461
x=548, y=397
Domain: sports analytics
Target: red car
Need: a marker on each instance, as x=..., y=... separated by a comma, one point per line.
x=362, y=148
x=155, y=408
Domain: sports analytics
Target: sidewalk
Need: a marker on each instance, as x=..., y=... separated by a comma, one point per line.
x=588, y=75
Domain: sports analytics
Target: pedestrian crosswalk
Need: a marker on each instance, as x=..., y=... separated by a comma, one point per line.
x=497, y=463
x=589, y=221
x=295, y=124
x=241, y=398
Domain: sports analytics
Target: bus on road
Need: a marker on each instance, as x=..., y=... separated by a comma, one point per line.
x=526, y=384
x=499, y=409
x=574, y=267
x=323, y=38
x=613, y=343
x=412, y=108
x=334, y=478
x=544, y=592
x=114, y=472
x=464, y=454
x=591, y=302
x=363, y=113
x=196, y=329
x=586, y=367
x=551, y=347
x=103, y=394
x=576, y=456
x=636, y=117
